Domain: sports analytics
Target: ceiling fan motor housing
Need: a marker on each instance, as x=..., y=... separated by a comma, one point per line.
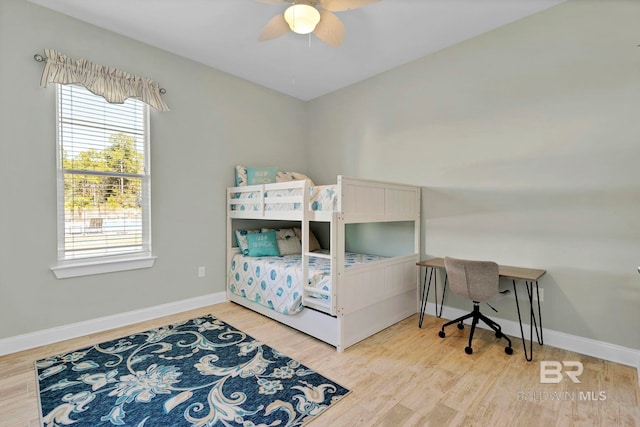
x=302, y=17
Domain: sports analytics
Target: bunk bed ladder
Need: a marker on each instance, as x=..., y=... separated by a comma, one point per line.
x=319, y=299
x=312, y=297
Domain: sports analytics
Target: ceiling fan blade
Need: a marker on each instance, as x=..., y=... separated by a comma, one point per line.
x=330, y=29
x=341, y=5
x=276, y=27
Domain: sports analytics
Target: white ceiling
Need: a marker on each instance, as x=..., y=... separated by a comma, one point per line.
x=223, y=34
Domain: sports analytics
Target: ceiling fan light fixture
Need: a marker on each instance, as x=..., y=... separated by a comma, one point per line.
x=302, y=18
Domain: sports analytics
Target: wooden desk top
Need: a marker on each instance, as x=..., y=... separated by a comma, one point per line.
x=505, y=271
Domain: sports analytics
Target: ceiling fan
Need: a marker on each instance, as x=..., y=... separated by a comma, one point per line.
x=311, y=16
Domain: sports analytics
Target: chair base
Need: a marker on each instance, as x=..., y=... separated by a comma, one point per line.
x=476, y=316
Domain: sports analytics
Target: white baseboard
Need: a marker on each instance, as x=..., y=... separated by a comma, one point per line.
x=600, y=349
x=74, y=330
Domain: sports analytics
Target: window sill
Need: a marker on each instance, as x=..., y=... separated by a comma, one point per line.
x=67, y=269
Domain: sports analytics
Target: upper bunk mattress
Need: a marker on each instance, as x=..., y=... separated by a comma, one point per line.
x=276, y=282
x=321, y=198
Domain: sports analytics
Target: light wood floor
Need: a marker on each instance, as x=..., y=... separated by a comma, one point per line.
x=402, y=376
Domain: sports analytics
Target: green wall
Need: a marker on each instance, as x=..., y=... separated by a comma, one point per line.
x=216, y=121
x=526, y=143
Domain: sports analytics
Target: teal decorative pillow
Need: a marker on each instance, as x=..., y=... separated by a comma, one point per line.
x=288, y=242
x=263, y=244
x=241, y=237
x=261, y=175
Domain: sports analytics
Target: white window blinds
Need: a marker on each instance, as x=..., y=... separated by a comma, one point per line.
x=103, y=175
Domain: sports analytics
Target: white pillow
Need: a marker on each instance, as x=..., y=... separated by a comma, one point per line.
x=241, y=176
x=291, y=176
x=314, y=245
x=288, y=242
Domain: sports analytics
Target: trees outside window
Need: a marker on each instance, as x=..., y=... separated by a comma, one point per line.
x=104, y=176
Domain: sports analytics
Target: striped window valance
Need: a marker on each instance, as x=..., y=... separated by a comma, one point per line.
x=112, y=84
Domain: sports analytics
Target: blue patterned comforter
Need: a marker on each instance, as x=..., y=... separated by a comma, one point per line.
x=276, y=282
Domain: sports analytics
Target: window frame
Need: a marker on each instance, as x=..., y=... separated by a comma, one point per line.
x=75, y=267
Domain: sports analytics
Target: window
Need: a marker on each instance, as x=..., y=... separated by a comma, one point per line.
x=103, y=180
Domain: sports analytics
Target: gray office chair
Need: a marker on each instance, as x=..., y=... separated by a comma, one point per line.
x=478, y=281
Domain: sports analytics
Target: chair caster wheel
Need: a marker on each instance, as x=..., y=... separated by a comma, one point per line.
x=508, y=350
x=468, y=350
x=441, y=334
x=499, y=334
x=460, y=325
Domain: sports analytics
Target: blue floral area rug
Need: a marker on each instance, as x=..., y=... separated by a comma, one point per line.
x=201, y=372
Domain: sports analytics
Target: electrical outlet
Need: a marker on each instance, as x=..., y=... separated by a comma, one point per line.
x=201, y=272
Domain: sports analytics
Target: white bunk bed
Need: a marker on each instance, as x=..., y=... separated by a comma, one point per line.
x=363, y=299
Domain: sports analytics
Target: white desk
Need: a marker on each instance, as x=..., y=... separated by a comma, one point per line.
x=528, y=276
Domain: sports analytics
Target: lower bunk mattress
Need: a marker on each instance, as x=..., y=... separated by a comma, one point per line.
x=276, y=282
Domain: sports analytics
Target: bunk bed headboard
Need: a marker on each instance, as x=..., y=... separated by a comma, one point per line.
x=373, y=201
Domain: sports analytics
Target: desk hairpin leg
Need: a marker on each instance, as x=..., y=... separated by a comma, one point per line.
x=532, y=318
x=425, y=295
x=431, y=273
x=444, y=290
